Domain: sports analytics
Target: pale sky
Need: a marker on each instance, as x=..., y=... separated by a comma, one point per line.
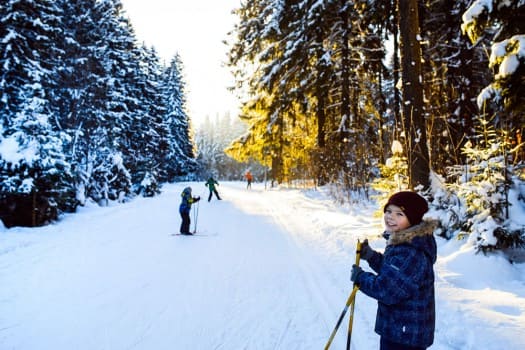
x=194, y=29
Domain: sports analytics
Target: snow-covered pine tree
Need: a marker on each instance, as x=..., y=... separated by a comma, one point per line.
x=147, y=136
x=455, y=72
x=394, y=174
x=489, y=179
x=480, y=196
x=36, y=180
x=110, y=179
x=81, y=90
x=205, y=140
x=81, y=106
x=115, y=54
x=95, y=103
x=503, y=22
x=180, y=160
x=28, y=34
x=214, y=139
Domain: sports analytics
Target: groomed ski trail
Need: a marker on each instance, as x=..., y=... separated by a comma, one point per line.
x=324, y=258
x=217, y=292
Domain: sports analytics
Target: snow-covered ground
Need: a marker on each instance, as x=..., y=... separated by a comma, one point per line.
x=271, y=271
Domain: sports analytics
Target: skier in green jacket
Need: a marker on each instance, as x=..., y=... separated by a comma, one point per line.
x=211, y=186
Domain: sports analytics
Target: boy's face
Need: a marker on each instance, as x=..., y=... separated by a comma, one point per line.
x=395, y=219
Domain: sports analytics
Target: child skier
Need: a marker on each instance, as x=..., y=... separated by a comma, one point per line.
x=184, y=210
x=404, y=284
x=211, y=186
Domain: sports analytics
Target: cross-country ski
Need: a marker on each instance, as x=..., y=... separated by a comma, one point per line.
x=195, y=234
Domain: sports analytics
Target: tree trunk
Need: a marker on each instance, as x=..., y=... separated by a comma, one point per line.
x=321, y=94
x=396, y=70
x=345, y=70
x=413, y=116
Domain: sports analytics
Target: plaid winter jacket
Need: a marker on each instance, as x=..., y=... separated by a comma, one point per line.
x=404, y=286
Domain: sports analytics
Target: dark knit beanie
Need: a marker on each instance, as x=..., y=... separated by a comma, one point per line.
x=412, y=204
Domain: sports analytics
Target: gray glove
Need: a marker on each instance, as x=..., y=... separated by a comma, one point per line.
x=366, y=251
x=356, y=272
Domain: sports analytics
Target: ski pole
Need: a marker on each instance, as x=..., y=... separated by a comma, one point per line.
x=356, y=287
x=195, y=217
x=349, y=301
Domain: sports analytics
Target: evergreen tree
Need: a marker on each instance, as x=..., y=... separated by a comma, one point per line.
x=482, y=190
x=316, y=84
x=213, y=139
x=83, y=113
x=259, y=44
x=311, y=59
x=36, y=182
x=503, y=24
x=81, y=88
x=28, y=32
x=115, y=56
x=180, y=160
x=147, y=134
x=454, y=72
x=36, y=179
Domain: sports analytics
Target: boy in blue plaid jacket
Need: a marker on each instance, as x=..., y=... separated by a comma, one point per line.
x=404, y=281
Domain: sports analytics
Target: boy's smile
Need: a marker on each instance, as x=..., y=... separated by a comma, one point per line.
x=395, y=219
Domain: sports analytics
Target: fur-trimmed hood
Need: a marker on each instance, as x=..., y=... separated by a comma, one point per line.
x=420, y=236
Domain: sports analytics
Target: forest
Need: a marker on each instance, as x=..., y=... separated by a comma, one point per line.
x=376, y=96
x=86, y=112
x=367, y=97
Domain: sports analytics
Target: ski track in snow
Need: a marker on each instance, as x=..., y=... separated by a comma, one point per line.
x=317, y=277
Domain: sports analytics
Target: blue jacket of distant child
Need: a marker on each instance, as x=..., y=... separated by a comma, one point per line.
x=187, y=201
x=404, y=286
